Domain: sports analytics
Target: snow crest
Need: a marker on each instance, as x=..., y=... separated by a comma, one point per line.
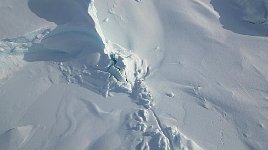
x=86, y=58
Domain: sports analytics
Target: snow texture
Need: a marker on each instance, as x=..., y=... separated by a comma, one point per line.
x=143, y=75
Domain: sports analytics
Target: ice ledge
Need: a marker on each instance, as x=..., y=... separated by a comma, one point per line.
x=88, y=59
x=111, y=68
x=127, y=71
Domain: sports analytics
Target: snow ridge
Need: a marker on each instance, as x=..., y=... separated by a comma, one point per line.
x=127, y=74
x=111, y=69
x=101, y=66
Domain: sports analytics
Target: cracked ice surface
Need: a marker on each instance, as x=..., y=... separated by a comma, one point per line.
x=99, y=65
x=87, y=59
x=152, y=75
x=111, y=69
x=13, y=49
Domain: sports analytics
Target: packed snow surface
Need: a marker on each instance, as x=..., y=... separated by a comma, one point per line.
x=133, y=74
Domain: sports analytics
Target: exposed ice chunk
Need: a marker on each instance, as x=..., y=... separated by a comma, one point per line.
x=170, y=94
x=180, y=141
x=124, y=72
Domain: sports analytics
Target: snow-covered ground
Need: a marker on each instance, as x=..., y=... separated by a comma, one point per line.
x=133, y=74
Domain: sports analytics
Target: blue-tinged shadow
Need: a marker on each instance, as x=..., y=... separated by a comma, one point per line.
x=231, y=17
x=75, y=31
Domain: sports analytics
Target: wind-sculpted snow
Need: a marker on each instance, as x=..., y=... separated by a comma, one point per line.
x=86, y=58
x=89, y=61
x=137, y=74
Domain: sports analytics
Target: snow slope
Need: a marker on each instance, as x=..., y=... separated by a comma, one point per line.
x=117, y=74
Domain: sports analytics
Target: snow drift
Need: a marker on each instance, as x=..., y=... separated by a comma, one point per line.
x=116, y=74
